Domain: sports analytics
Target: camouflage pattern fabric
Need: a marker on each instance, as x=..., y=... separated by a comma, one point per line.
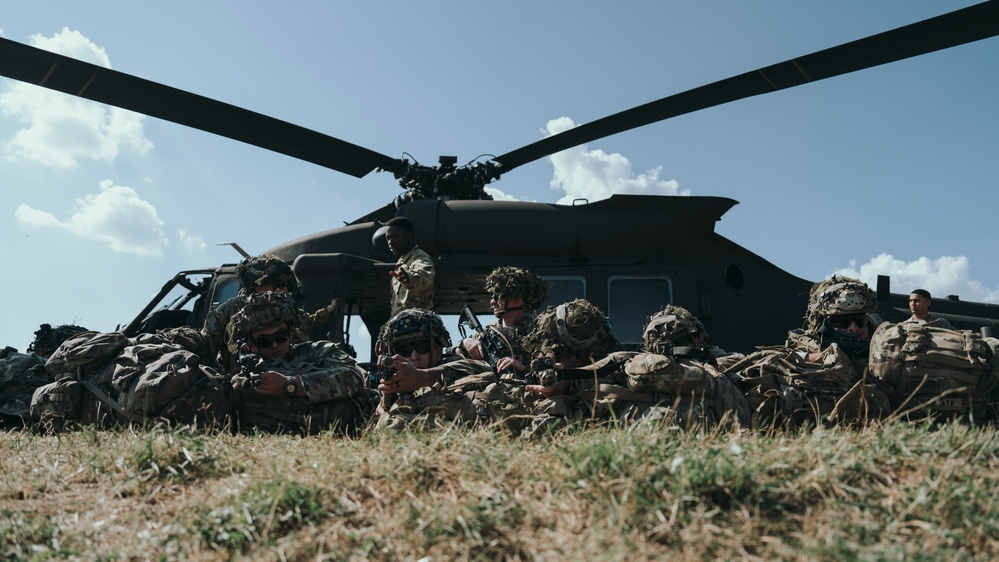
x=511, y=282
x=935, y=371
x=648, y=388
x=266, y=270
x=420, y=293
x=20, y=375
x=783, y=388
x=838, y=295
x=48, y=339
x=515, y=335
x=441, y=405
x=165, y=381
x=577, y=329
x=335, y=394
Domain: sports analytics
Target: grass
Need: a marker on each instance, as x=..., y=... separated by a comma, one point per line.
x=896, y=492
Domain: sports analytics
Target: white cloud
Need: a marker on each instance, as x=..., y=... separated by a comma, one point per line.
x=191, y=242
x=116, y=215
x=500, y=195
x=946, y=275
x=62, y=129
x=596, y=175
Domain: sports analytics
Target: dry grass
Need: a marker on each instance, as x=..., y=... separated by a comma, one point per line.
x=903, y=492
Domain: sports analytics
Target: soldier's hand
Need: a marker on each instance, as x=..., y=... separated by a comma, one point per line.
x=548, y=391
x=406, y=378
x=271, y=383
x=506, y=362
x=402, y=275
x=473, y=348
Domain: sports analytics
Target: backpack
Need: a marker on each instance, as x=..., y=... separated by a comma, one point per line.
x=20, y=375
x=933, y=369
x=82, y=392
x=782, y=387
x=166, y=381
x=68, y=402
x=692, y=391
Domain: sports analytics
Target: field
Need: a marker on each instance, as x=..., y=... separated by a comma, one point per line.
x=896, y=492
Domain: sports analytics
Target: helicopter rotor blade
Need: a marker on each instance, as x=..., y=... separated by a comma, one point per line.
x=970, y=24
x=93, y=82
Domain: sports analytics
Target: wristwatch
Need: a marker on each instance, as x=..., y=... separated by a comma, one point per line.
x=291, y=385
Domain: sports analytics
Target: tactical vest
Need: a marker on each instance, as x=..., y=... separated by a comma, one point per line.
x=934, y=370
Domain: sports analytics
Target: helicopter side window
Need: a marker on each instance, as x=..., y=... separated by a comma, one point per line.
x=632, y=299
x=562, y=289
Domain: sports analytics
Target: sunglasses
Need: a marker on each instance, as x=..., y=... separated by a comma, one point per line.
x=844, y=322
x=407, y=349
x=268, y=340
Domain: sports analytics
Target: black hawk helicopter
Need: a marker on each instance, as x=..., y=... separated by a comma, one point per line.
x=600, y=251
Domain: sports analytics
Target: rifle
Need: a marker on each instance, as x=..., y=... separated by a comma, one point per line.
x=544, y=373
x=494, y=345
x=249, y=363
x=383, y=369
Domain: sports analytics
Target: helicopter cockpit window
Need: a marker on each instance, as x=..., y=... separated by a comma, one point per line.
x=227, y=289
x=632, y=299
x=564, y=289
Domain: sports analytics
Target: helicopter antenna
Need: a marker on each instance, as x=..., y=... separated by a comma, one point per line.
x=236, y=246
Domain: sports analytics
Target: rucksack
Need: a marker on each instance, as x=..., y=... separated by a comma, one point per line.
x=68, y=402
x=82, y=393
x=782, y=387
x=166, y=381
x=20, y=375
x=934, y=370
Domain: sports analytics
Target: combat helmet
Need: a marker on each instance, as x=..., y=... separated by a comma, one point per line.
x=673, y=326
x=262, y=310
x=48, y=339
x=266, y=269
x=511, y=281
x=837, y=296
x=411, y=325
x=576, y=329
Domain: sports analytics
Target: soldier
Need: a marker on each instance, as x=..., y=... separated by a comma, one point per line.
x=290, y=385
x=820, y=374
x=919, y=305
x=569, y=336
x=691, y=343
x=514, y=294
x=258, y=274
x=660, y=384
x=413, y=276
x=416, y=340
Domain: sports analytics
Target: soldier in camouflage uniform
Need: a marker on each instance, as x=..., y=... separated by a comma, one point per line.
x=290, y=385
x=413, y=276
x=418, y=387
x=820, y=374
x=258, y=274
x=663, y=384
x=691, y=344
x=514, y=294
x=569, y=336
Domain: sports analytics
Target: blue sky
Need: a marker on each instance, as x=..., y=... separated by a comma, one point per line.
x=891, y=170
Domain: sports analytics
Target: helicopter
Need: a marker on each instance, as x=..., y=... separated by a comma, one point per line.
x=717, y=279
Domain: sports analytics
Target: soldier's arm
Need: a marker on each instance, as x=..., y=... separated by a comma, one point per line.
x=421, y=274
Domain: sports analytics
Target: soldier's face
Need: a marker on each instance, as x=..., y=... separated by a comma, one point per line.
x=855, y=324
x=272, y=342
x=422, y=354
x=919, y=305
x=502, y=303
x=399, y=241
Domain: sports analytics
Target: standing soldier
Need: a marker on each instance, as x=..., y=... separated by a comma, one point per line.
x=286, y=384
x=413, y=276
